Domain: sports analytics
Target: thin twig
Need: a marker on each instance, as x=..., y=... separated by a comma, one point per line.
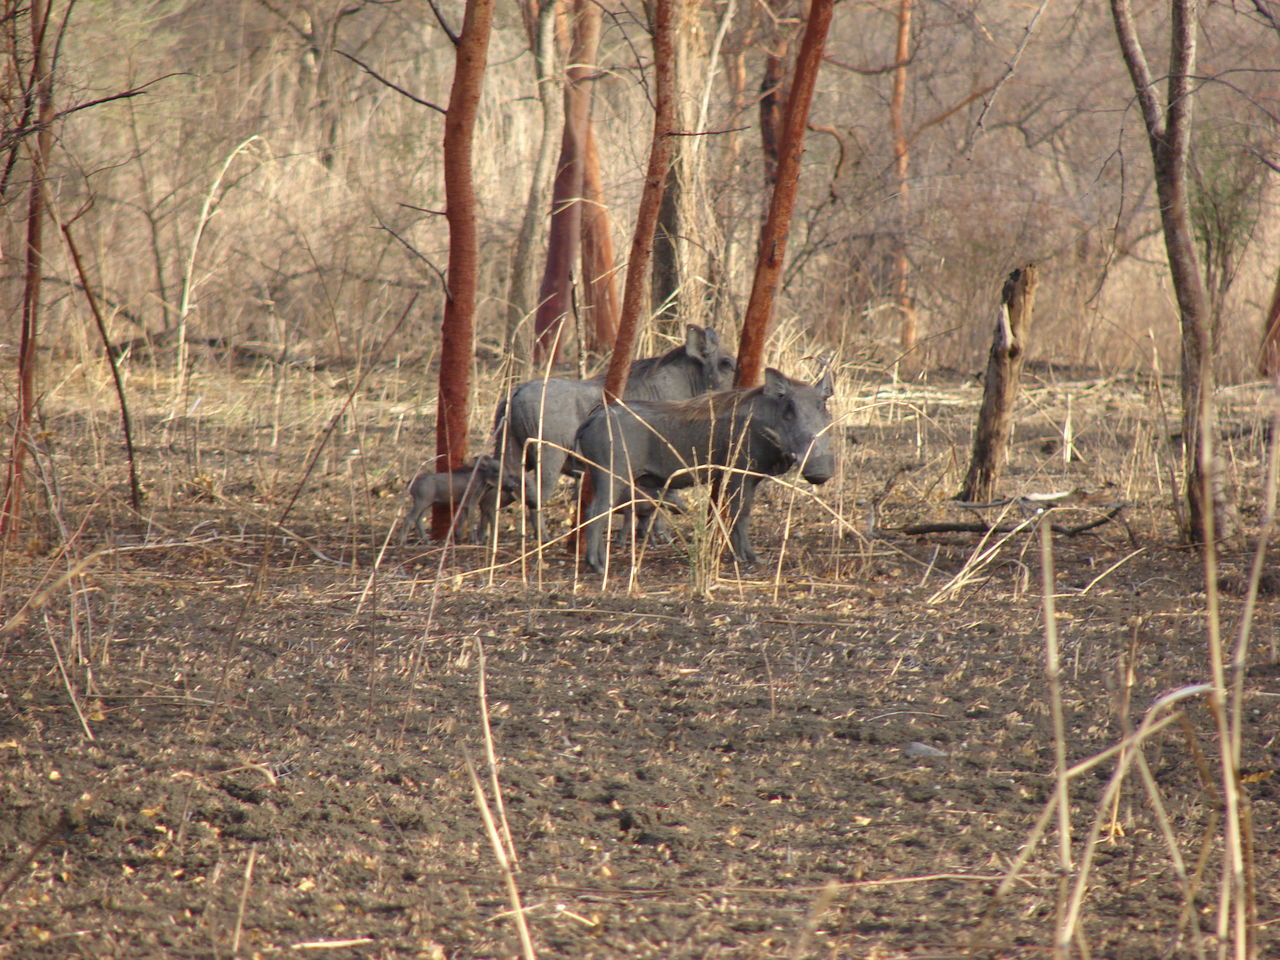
x=390, y=83
x=135, y=488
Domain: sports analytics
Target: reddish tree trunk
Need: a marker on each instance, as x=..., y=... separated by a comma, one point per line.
x=598, y=274
x=636, y=286
x=566, y=206
x=457, y=333
x=773, y=239
x=523, y=270
x=633, y=297
x=41, y=80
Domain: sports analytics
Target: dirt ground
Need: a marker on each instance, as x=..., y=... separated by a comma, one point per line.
x=221, y=735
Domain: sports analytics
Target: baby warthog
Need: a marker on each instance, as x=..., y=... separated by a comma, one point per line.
x=482, y=485
x=753, y=432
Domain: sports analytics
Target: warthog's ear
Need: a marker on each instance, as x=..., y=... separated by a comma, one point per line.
x=826, y=387
x=699, y=342
x=776, y=383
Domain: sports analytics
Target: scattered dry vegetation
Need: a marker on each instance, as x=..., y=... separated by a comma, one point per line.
x=241, y=722
x=225, y=734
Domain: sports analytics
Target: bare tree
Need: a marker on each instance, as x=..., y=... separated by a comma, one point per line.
x=599, y=274
x=901, y=166
x=773, y=238
x=458, y=331
x=37, y=108
x=636, y=288
x=566, y=195
x=1168, y=128
x=542, y=31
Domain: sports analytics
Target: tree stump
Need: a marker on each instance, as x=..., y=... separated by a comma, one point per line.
x=1004, y=370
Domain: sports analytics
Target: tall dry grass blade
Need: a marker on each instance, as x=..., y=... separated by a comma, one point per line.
x=1067, y=928
x=188, y=275
x=67, y=683
x=491, y=755
x=504, y=865
x=1233, y=926
x=244, y=901
x=1175, y=855
x=982, y=556
x=1265, y=529
x=1053, y=670
x=1037, y=832
x=821, y=903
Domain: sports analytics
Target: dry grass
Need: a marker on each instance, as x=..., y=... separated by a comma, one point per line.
x=261, y=745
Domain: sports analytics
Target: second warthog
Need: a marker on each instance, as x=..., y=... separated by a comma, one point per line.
x=535, y=425
x=740, y=436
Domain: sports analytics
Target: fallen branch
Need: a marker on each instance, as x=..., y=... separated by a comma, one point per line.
x=921, y=529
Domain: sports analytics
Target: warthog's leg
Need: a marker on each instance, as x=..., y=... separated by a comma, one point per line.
x=742, y=494
x=414, y=519
x=487, y=509
x=604, y=496
x=550, y=462
x=649, y=513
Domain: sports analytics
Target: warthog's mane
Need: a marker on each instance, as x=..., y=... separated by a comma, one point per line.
x=646, y=366
x=713, y=405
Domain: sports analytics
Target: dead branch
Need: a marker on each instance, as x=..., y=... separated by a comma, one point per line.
x=923, y=529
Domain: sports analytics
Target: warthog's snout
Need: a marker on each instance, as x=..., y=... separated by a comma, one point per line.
x=819, y=468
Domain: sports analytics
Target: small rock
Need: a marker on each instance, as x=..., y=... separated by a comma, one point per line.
x=917, y=749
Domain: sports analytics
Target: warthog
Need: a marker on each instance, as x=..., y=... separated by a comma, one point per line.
x=481, y=485
x=755, y=431
x=536, y=424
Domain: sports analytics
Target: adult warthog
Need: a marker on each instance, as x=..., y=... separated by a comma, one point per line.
x=739, y=436
x=535, y=425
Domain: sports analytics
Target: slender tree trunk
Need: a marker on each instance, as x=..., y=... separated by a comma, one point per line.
x=773, y=105
x=636, y=287
x=520, y=292
x=566, y=196
x=773, y=239
x=901, y=165
x=1269, y=362
x=599, y=274
x=679, y=242
x=665, y=278
x=727, y=205
x=113, y=361
x=41, y=82
x=457, y=333
x=1000, y=388
x=1169, y=136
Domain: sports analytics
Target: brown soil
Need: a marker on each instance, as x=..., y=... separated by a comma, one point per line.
x=281, y=725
